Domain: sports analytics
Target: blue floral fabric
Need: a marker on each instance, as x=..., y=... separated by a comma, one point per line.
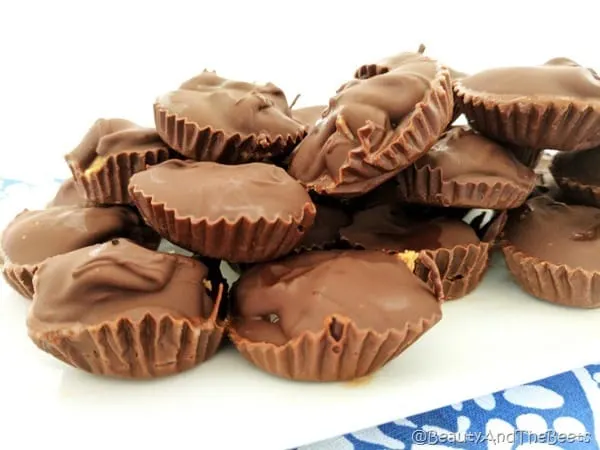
x=560, y=412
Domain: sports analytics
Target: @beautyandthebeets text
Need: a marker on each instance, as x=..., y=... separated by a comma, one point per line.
x=517, y=437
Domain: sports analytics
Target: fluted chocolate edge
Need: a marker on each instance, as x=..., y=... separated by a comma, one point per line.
x=20, y=277
x=427, y=186
x=554, y=283
x=208, y=144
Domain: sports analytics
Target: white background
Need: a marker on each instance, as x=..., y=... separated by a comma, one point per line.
x=64, y=64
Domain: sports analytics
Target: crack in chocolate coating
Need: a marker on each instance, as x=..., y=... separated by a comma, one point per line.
x=215, y=191
x=117, y=280
x=111, y=137
x=557, y=78
x=34, y=236
x=364, y=114
x=384, y=227
x=308, y=292
x=234, y=107
x=464, y=155
x=558, y=233
x=581, y=166
x=68, y=195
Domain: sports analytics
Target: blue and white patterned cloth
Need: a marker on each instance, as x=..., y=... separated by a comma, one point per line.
x=560, y=412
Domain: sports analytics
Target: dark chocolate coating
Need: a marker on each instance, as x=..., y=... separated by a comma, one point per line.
x=364, y=113
x=309, y=115
x=68, y=195
x=326, y=227
x=557, y=78
x=557, y=233
x=234, y=107
x=117, y=280
x=34, y=236
x=374, y=290
x=465, y=156
x=112, y=137
x=215, y=191
x=582, y=166
x=382, y=228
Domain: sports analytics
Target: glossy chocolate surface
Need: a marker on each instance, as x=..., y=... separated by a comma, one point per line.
x=326, y=227
x=216, y=191
x=234, y=107
x=33, y=236
x=559, y=77
x=111, y=137
x=279, y=301
x=558, y=233
x=384, y=228
x=465, y=156
x=118, y=280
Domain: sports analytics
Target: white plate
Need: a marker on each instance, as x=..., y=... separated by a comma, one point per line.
x=496, y=338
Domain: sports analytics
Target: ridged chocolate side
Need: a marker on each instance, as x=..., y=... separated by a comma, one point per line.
x=241, y=241
x=109, y=184
x=560, y=125
x=20, y=278
x=578, y=193
x=148, y=348
x=320, y=357
x=554, y=283
x=461, y=267
x=414, y=136
x=208, y=144
x=427, y=186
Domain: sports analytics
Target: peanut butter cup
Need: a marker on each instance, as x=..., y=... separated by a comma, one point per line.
x=34, y=236
x=109, y=154
x=461, y=256
x=465, y=169
x=210, y=118
x=375, y=127
x=392, y=62
x=552, y=250
x=555, y=105
x=239, y=213
x=118, y=309
x=578, y=175
x=329, y=316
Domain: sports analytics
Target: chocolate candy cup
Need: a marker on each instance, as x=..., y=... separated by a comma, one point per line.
x=556, y=105
x=109, y=154
x=576, y=173
x=374, y=128
x=244, y=213
x=330, y=325
x=526, y=156
x=210, y=118
x=119, y=310
x=461, y=257
x=34, y=236
x=390, y=63
x=551, y=249
x=464, y=169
